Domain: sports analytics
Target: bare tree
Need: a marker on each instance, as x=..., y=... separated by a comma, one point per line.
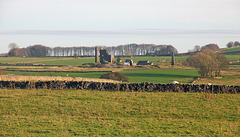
x=13, y=49
x=230, y=44
x=208, y=62
x=236, y=44
x=213, y=47
x=197, y=48
x=13, y=46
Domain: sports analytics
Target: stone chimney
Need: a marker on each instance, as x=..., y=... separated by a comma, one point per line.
x=96, y=55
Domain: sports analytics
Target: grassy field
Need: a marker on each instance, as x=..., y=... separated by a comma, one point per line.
x=233, y=57
x=235, y=49
x=228, y=78
x=155, y=59
x=66, y=61
x=161, y=75
x=140, y=74
x=154, y=76
x=77, y=62
x=26, y=59
x=69, y=62
x=95, y=113
x=62, y=74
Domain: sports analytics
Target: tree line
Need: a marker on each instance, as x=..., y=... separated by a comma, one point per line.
x=197, y=48
x=122, y=50
x=233, y=44
x=31, y=51
x=214, y=47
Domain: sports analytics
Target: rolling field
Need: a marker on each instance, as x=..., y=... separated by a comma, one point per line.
x=155, y=59
x=77, y=62
x=68, y=61
x=139, y=74
x=233, y=57
x=62, y=74
x=95, y=113
x=161, y=75
x=235, y=49
x=26, y=59
x=154, y=76
x=228, y=78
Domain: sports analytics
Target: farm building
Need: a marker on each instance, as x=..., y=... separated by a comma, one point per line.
x=128, y=62
x=144, y=63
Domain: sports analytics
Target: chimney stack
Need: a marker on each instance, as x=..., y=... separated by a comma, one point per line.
x=96, y=55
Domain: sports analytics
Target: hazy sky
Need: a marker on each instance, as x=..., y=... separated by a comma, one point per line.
x=89, y=22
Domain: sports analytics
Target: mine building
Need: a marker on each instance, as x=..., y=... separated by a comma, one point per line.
x=104, y=56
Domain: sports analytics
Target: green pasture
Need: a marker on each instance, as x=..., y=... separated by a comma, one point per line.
x=77, y=62
x=96, y=113
x=154, y=76
x=69, y=62
x=62, y=74
x=233, y=57
x=24, y=59
x=66, y=61
x=235, y=49
x=155, y=59
x=161, y=75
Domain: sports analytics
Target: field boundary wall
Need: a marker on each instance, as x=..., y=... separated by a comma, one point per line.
x=126, y=87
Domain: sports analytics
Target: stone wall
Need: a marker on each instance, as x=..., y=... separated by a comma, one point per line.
x=133, y=87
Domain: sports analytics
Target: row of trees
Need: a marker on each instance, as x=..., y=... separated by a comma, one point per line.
x=213, y=47
x=31, y=51
x=209, y=63
x=233, y=44
x=122, y=50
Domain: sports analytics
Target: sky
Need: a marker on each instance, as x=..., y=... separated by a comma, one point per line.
x=181, y=23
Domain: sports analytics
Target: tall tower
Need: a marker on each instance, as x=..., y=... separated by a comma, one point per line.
x=173, y=60
x=96, y=55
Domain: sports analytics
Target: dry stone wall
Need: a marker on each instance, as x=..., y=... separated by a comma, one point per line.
x=132, y=87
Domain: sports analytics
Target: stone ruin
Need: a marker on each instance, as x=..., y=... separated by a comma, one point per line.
x=104, y=56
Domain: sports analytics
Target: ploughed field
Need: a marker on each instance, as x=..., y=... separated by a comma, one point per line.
x=96, y=113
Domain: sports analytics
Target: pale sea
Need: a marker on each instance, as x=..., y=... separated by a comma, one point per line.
x=183, y=40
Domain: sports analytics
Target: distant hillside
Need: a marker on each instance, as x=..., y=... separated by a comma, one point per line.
x=231, y=51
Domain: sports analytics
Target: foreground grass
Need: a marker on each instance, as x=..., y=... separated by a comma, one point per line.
x=93, y=113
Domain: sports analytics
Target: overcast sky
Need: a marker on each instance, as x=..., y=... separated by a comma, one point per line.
x=24, y=17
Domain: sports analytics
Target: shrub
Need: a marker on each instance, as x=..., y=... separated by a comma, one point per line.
x=115, y=76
